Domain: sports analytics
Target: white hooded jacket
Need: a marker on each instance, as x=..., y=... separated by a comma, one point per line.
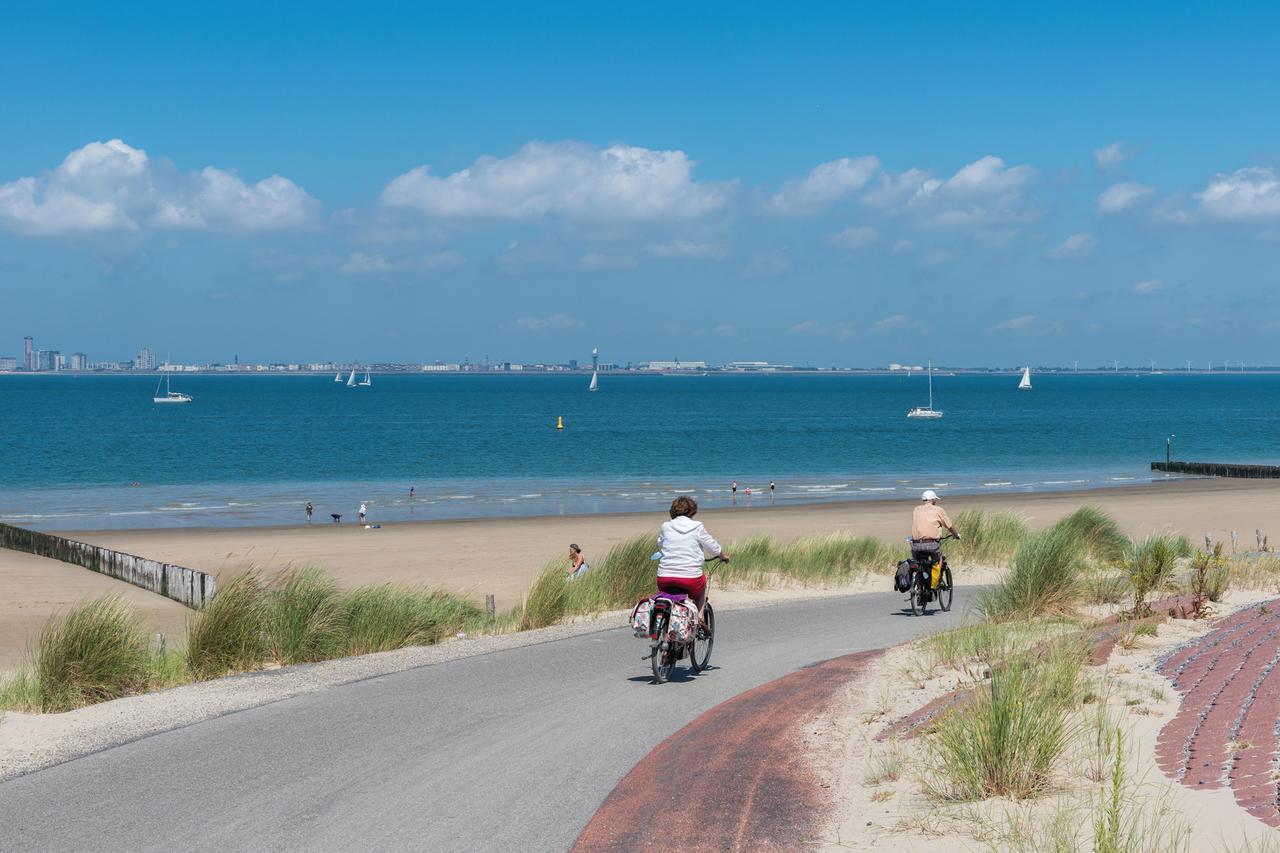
x=684, y=544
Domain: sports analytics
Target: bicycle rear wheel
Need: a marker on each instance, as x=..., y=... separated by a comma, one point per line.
x=662, y=659
x=918, y=594
x=945, y=588
x=703, y=639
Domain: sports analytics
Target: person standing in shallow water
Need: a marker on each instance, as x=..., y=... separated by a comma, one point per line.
x=362, y=512
x=310, y=509
x=773, y=487
x=733, y=490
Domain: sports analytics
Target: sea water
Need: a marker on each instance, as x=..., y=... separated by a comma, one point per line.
x=94, y=451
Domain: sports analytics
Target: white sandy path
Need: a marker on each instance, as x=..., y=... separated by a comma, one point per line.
x=846, y=756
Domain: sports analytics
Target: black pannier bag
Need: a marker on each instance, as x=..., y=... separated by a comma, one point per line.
x=902, y=577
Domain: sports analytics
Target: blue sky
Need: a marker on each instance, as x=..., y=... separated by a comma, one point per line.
x=825, y=184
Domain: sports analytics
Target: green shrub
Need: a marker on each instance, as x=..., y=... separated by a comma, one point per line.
x=1045, y=578
x=229, y=633
x=384, y=617
x=1150, y=565
x=987, y=537
x=306, y=620
x=548, y=598
x=1006, y=743
x=96, y=652
x=1096, y=533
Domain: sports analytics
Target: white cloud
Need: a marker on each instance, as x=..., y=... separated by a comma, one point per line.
x=685, y=249
x=1110, y=156
x=1252, y=193
x=1075, y=246
x=1013, y=324
x=888, y=324
x=361, y=264
x=107, y=186
x=602, y=261
x=570, y=179
x=856, y=237
x=1150, y=287
x=825, y=183
x=554, y=323
x=767, y=265
x=985, y=191
x=1122, y=196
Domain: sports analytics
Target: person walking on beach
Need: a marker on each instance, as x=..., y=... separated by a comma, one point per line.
x=773, y=487
x=363, y=509
x=310, y=509
x=684, y=545
x=577, y=563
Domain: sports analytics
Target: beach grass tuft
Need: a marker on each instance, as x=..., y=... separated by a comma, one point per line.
x=97, y=651
x=987, y=537
x=229, y=633
x=1150, y=565
x=1045, y=579
x=306, y=619
x=384, y=617
x=1006, y=743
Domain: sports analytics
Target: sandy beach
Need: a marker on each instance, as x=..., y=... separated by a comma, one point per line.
x=503, y=555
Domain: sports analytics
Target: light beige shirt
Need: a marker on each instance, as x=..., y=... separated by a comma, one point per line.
x=929, y=521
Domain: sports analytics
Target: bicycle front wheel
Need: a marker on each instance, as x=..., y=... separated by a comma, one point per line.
x=703, y=639
x=945, y=588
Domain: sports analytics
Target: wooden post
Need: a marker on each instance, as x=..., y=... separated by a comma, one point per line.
x=1208, y=542
x=1235, y=542
x=489, y=607
x=1258, y=533
x=160, y=645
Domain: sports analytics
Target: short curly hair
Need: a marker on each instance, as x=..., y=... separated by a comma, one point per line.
x=684, y=505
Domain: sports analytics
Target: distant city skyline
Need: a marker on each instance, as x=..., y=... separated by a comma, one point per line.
x=852, y=185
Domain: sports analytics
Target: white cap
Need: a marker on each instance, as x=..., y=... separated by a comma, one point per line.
x=929, y=495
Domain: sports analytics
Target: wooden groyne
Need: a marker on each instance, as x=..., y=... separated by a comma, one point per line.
x=186, y=586
x=1219, y=469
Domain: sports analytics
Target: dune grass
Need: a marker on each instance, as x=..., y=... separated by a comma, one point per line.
x=1150, y=565
x=987, y=537
x=305, y=617
x=990, y=642
x=385, y=617
x=1006, y=743
x=97, y=651
x=228, y=635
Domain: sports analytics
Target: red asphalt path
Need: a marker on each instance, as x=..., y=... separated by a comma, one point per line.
x=736, y=778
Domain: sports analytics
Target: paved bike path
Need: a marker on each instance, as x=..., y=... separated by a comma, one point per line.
x=511, y=750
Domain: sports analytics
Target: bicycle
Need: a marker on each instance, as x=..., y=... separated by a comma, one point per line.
x=921, y=590
x=665, y=650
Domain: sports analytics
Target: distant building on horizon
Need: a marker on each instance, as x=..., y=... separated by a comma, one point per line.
x=674, y=365
x=27, y=346
x=146, y=360
x=79, y=361
x=8, y=364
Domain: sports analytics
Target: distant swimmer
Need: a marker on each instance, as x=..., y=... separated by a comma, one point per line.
x=411, y=488
x=310, y=509
x=577, y=563
x=363, y=510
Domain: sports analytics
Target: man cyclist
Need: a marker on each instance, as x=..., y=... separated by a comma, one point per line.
x=928, y=522
x=683, y=544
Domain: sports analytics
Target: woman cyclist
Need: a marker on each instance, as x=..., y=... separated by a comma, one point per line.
x=684, y=545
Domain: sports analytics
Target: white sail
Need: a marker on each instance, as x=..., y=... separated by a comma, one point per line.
x=351, y=380
x=595, y=381
x=926, y=411
x=367, y=380
x=170, y=396
x=338, y=376
x=1025, y=384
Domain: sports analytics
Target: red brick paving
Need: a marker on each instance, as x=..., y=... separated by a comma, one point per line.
x=1230, y=685
x=736, y=778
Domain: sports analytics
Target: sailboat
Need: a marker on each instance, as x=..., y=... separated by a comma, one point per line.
x=170, y=396
x=338, y=377
x=595, y=381
x=1025, y=384
x=367, y=380
x=351, y=380
x=926, y=411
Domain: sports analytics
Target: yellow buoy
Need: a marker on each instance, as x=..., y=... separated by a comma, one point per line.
x=559, y=422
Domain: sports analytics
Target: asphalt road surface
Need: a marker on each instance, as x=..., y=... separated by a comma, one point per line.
x=513, y=750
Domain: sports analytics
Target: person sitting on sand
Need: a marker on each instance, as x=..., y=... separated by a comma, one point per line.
x=684, y=545
x=577, y=563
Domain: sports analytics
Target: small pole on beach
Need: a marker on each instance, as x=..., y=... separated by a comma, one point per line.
x=160, y=644
x=489, y=607
x=1208, y=542
x=1235, y=542
x=1168, y=449
x=1258, y=533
